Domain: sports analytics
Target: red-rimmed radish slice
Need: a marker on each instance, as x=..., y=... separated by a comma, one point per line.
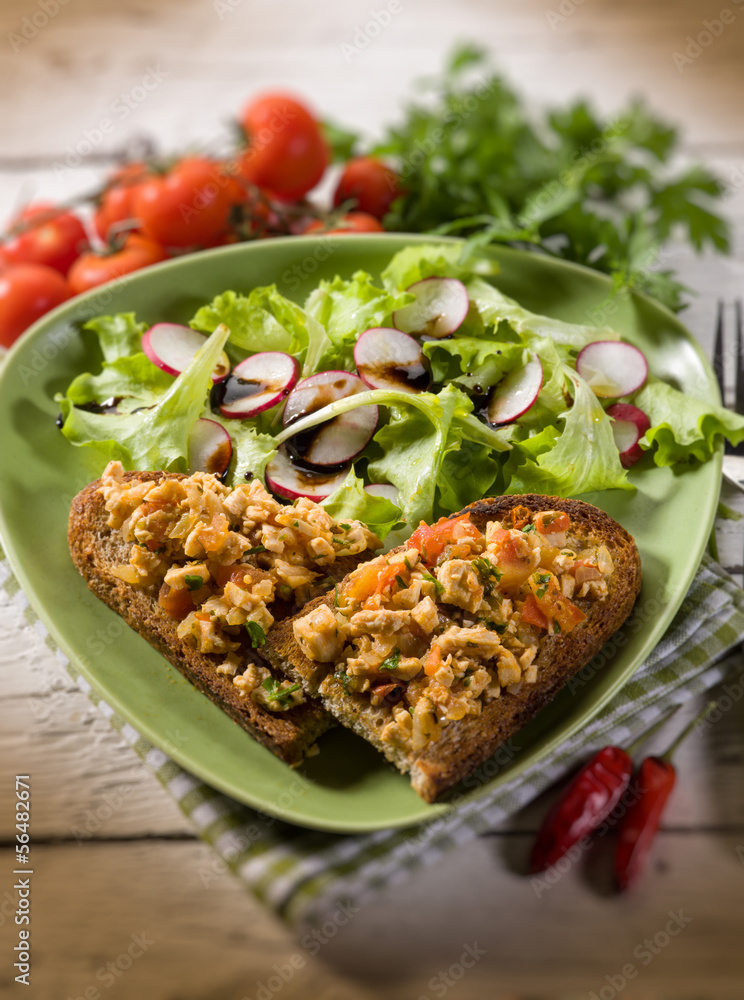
x=389, y=359
x=515, y=393
x=440, y=308
x=291, y=481
x=335, y=441
x=172, y=348
x=257, y=384
x=210, y=448
x=612, y=368
x=629, y=424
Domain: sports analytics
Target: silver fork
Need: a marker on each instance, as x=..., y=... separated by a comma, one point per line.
x=733, y=459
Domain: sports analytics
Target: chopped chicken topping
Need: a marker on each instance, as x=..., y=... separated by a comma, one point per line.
x=222, y=556
x=433, y=633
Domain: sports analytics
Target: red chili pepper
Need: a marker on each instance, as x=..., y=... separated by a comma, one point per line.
x=656, y=779
x=585, y=803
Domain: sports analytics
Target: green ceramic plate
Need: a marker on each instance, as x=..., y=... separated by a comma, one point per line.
x=348, y=786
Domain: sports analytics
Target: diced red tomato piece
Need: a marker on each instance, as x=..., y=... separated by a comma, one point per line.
x=363, y=581
x=433, y=661
x=553, y=604
x=431, y=540
x=531, y=613
x=550, y=522
x=222, y=575
x=520, y=516
x=177, y=603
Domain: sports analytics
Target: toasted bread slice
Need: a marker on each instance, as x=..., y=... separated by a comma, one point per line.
x=97, y=550
x=466, y=743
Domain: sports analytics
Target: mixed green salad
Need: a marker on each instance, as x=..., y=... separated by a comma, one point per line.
x=439, y=418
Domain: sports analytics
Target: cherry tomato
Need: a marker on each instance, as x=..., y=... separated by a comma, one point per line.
x=96, y=268
x=185, y=207
x=27, y=291
x=45, y=234
x=352, y=222
x=373, y=185
x=286, y=154
x=115, y=207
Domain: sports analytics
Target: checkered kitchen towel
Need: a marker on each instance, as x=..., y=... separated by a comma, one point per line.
x=303, y=874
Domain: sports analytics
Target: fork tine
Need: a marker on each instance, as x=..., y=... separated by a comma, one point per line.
x=739, y=359
x=718, y=353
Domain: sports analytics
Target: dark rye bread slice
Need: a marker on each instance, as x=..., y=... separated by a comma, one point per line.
x=465, y=745
x=97, y=549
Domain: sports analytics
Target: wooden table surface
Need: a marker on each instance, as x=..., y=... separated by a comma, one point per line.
x=141, y=874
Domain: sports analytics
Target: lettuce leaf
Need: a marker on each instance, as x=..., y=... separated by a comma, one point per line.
x=426, y=260
x=345, y=308
x=583, y=457
x=157, y=437
x=119, y=336
x=352, y=501
x=252, y=450
x=495, y=307
x=472, y=360
x=135, y=378
x=265, y=320
x=684, y=429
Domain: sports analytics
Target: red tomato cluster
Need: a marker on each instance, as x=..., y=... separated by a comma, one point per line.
x=146, y=213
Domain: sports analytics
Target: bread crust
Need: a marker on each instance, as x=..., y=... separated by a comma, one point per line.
x=97, y=549
x=468, y=743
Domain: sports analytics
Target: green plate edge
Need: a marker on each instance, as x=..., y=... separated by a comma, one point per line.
x=386, y=798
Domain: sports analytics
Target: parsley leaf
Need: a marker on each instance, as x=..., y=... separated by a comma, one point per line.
x=194, y=582
x=275, y=691
x=392, y=662
x=256, y=634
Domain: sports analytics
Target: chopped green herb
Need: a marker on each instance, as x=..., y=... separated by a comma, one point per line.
x=343, y=542
x=346, y=527
x=194, y=582
x=407, y=564
x=543, y=579
x=255, y=550
x=488, y=573
x=256, y=634
x=343, y=679
x=296, y=524
x=392, y=662
x=401, y=582
x=557, y=627
x=275, y=691
x=335, y=596
x=432, y=579
x=528, y=528
x=499, y=627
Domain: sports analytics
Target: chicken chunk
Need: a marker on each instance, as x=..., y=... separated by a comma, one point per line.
x=461, y=584
x=318, y=635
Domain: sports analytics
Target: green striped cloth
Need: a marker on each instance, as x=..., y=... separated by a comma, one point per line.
x=303, y=874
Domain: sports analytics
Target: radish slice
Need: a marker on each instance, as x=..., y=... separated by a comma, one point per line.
x=515, y=393
x=256, y=384
x=389, y=359
x=629, y=424
x=335, y=441
x=172, y=348
x=440, y=308
x=612, y=368
x=210, y=448
x=291, y=481
x=385, y=490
